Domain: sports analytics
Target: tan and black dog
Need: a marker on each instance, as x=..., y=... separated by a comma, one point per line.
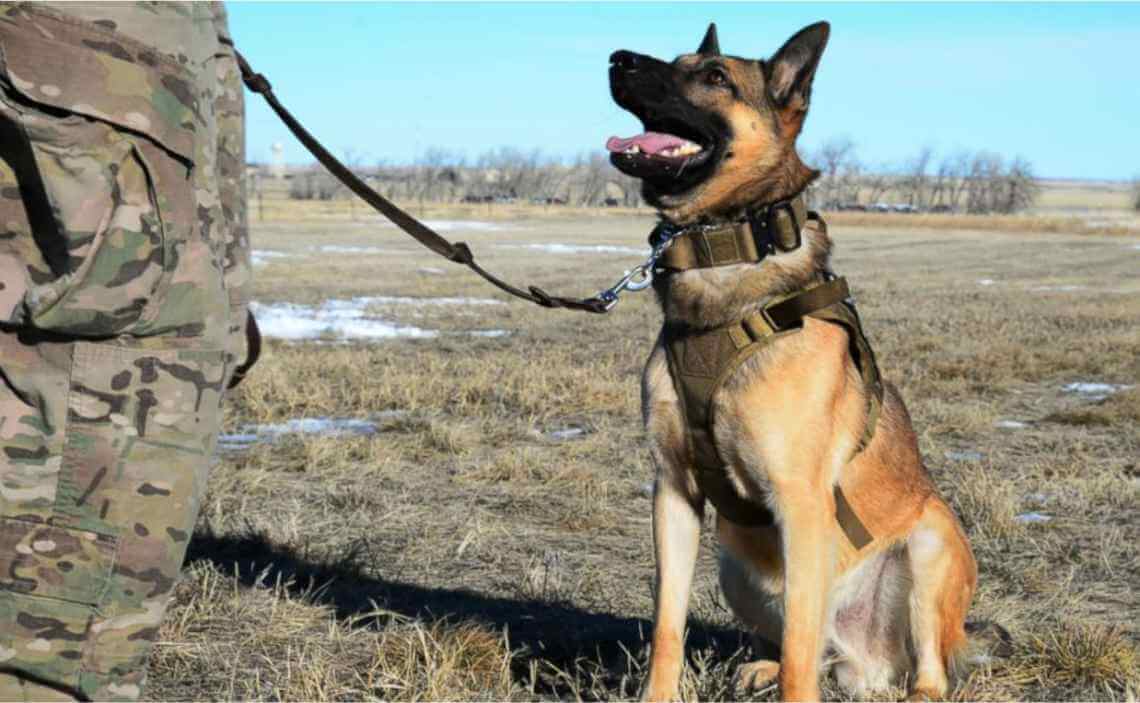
x=762, y=397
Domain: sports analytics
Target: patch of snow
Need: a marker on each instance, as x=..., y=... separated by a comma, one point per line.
x=1094, y=390
x=260, y=257
x=1038, y=498
x=964, y=456
x=343, y=319
x=236, y=441
x=248, y=435
x=1060, y=289
x=985, y=281
x=407, y=300
x=1136, y=246
x=431, y=271
x=1031, y=518
x=557, y=248
x=646, y=489
x=1011, y=424
x=568, y=433
x=472, y=225
x=344, y=249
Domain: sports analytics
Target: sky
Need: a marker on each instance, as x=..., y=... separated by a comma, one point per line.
x=382, y=83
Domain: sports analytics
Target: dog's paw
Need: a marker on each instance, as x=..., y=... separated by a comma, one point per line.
x=756, y=675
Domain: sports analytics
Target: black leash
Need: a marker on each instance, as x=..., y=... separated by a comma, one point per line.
x=458, y=252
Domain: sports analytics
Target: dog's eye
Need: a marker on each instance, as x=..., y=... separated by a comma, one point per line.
x=715, y=76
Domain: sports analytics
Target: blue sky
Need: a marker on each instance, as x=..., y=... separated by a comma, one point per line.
x=1055, y=83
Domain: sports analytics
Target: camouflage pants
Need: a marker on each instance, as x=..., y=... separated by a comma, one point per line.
x=124, y=271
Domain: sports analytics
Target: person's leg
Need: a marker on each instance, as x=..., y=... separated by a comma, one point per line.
x=115, y=343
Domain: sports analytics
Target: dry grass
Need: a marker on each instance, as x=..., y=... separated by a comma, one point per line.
x=1064, y=208
x=465, y=552
x=1036, y=222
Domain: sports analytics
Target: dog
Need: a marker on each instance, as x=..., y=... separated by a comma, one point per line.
x=859, y=557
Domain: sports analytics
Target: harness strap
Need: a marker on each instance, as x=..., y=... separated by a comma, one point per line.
x=758, y=234
x=701, y=361
x=457, y=252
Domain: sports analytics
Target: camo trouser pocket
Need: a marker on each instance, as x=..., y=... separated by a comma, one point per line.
x=97, y=147
x=85, y=592
x=51, y=579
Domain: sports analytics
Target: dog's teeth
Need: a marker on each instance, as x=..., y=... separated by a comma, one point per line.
x=635, y=149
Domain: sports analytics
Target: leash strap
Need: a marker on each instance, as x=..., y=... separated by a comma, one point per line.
x=457, y=252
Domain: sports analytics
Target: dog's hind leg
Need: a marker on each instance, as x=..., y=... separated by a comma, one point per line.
x=751, y=578
x=944, y=574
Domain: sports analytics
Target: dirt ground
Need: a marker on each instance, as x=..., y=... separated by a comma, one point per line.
x=481, y=531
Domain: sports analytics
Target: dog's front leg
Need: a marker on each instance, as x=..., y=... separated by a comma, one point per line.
x=676, y=538
x=805, y=512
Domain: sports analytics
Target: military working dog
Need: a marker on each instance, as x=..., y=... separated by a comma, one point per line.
x=762, y=397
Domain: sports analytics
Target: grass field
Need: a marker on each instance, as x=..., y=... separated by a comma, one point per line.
x=481, y=531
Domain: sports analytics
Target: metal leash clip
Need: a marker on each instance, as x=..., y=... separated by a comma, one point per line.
x=640, y=277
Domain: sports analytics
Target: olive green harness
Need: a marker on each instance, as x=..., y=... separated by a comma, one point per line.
x=702, y=360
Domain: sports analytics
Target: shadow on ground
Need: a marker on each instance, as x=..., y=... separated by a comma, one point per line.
x=558, y=633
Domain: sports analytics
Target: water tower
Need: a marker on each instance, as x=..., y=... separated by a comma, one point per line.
x=277, y=162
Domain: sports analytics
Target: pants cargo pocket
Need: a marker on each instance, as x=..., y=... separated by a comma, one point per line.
x=52, y=581
x=99, y=137
x=141, y=426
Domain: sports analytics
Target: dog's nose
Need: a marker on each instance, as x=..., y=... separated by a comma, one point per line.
x=625, y=60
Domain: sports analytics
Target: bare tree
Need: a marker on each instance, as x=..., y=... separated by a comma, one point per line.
x=436, y=176
x=914, y=186
x=1018, y=187
x=595, y=168
x=314, y=183
x=834, y=159
x=950, y=181
x=878, y=183
x=992, y=186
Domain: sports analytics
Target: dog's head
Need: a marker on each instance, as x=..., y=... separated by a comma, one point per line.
x=720, y=130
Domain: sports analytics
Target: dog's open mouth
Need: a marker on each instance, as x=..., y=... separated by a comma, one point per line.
x=656, y=145
x=658, y=156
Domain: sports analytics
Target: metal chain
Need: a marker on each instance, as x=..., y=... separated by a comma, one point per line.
x=640, y=277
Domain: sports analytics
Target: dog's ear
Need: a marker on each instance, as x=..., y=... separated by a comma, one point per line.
x=790, y=72
x=709, y=45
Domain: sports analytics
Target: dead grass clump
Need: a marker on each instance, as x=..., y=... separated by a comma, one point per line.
x=985, y=501
x=515, y=465
x=1119, y=410
x=412, y=660
x=224, y=640
x=450, y=438
x=1082, y=655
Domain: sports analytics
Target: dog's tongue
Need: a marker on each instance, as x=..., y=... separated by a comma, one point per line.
x=650, y=142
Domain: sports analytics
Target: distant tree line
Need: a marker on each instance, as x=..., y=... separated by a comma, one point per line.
x=971, y=182
x=496, y=176
x=978, y=182
x=1136, y=193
